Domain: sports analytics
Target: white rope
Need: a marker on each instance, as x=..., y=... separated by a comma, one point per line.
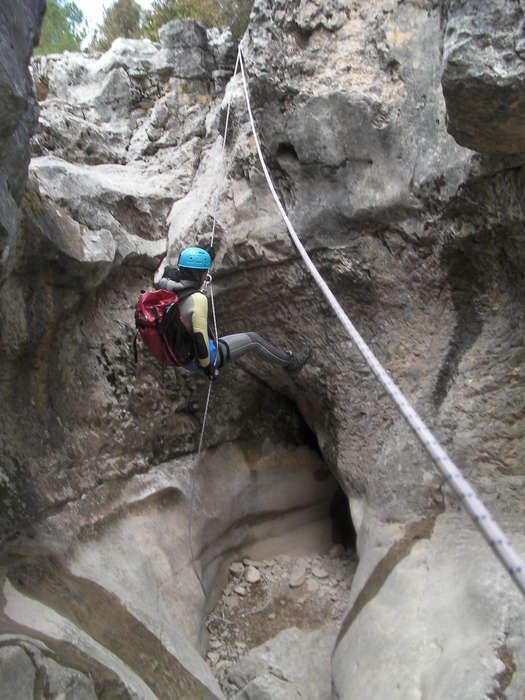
x=472, y=504
x=215, y=207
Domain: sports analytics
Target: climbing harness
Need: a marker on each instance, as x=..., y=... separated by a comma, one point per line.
x=470, y=501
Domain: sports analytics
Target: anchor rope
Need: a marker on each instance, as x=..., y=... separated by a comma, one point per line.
x=481, y=517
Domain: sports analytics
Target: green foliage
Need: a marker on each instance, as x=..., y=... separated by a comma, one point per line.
x=210, y=13
x=237, y=16
x=63, y=28
x=122, y=19
x=207, y=12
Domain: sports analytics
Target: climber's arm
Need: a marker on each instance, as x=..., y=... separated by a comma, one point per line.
x=199, y=321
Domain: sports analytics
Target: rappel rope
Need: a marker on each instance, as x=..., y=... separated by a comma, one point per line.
x=466, y=494
x=222, y=152
x=209, y=282
x=269, y=596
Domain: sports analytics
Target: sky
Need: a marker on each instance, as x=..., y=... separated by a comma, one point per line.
x=92, y=9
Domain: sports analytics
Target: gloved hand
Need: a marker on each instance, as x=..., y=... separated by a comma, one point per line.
x=211, y=372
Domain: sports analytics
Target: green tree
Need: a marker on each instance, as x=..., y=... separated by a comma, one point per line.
x=122, y=19
x=210, y=13
x=63, y=28
x=237, y=15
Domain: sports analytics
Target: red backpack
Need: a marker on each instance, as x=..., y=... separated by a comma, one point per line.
x=160, y=324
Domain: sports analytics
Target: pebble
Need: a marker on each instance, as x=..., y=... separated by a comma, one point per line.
x=272, y=616
x=237, y=569
x=319, y=572
x=215, y=644
x=240, y=590
x=312, y=585
x=252, y=574
x=213, y=657
x=297, y=576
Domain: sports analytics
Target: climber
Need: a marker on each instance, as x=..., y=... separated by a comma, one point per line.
x=192, y=273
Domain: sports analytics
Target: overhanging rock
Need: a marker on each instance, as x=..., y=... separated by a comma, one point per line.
x=484, y=74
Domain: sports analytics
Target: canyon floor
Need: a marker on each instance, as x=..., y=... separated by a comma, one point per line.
x=298, y=600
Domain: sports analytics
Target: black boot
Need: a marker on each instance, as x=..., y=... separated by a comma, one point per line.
x=299, y=359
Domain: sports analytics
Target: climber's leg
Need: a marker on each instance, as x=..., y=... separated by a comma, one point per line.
x=231, y=347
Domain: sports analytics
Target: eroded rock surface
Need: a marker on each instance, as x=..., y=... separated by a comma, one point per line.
x=19, y=32
x=421, y=241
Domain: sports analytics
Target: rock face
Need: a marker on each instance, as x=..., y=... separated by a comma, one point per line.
x=484, y=74
x=19, y=32
x=104, y=514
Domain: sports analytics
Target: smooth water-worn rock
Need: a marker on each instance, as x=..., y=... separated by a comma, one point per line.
x=465, y=610
x=294, y=664
x=157, y=599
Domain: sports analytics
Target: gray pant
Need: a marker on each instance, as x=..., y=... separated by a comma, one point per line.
x=231, y=347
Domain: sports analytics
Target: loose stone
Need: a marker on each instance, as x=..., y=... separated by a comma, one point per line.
x=237, y=569
x=312, y=585
x=240, y=590
x=319, y=572
x=252, y=575
x=298, y=576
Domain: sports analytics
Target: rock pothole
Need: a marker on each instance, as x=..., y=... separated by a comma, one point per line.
x=299, y=598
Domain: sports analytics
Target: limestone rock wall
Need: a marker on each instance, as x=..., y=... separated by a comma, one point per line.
x=20, y=30
x=419, y=238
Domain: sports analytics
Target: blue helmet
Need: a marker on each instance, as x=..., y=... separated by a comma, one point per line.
x=194, y=259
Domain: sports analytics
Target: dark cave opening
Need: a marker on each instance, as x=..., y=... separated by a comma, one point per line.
x=286, y=150
x=343, y=530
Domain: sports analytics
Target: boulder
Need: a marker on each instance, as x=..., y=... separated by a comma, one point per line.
x=433, y=588
x=183, y=34
x=17, y=672
x=185, y=46
x=291, y=665
x=484, y=74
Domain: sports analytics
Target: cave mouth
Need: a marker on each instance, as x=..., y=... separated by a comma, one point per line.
x=293, y=585
x=343, y=530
